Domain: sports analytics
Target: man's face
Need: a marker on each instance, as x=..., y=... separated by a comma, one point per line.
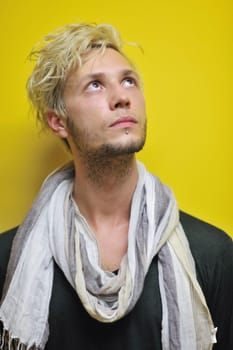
x=105, y=106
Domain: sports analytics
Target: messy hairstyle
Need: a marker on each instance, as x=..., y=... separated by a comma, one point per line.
x=57, y=56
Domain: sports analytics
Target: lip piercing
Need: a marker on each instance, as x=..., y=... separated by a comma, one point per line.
x=126, y=131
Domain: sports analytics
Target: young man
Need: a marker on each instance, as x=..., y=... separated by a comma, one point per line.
x=104, y=260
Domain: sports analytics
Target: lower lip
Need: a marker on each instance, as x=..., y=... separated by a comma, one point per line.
x=123, y=125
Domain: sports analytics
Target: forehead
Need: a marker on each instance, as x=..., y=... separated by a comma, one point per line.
x=106, y=62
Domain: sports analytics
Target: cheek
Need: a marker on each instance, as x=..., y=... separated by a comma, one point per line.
x=140, y=102
x=77, y=109
x=87, y=115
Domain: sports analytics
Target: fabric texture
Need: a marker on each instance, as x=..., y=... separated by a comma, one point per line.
x=55, y=229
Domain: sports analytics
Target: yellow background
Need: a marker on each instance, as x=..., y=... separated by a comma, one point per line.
x=187, y=69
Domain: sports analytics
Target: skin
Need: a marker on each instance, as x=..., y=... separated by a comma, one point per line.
x=106, y=125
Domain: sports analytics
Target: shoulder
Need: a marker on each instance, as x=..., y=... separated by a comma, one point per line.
x=202, y=235
x=209, y=245
x=212, y=251
x=6, y=239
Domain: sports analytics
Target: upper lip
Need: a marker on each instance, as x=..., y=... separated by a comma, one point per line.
x=124, y=119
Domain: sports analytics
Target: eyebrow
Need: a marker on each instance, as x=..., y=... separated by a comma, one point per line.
x=101, y=75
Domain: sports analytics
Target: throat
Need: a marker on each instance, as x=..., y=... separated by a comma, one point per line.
x=112, y=242
x=104, y=170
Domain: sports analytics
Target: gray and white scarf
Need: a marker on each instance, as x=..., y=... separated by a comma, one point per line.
x=55, y=230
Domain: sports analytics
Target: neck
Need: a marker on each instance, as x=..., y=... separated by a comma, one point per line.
x=107, y=172
x=103, y=191
x=104, y=187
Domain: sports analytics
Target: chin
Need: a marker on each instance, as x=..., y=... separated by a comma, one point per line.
x=122, y=149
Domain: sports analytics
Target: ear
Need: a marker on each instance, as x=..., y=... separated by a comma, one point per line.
x=57, y=124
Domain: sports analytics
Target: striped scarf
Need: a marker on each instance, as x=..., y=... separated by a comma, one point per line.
x=55, y=230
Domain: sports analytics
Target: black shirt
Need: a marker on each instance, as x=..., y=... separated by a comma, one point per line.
x=72, y=328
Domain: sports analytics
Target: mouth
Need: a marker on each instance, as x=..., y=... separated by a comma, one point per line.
x=124, y=122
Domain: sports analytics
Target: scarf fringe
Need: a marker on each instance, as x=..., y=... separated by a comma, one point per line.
x=9, y=343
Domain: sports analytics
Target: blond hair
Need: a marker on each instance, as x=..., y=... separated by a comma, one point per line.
x=57, y=55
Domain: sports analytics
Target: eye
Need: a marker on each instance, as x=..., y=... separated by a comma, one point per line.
x=129, y=82
x=94, y=86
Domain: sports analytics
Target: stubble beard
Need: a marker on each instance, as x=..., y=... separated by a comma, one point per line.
x=107, y=160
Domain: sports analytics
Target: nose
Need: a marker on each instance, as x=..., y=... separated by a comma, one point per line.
x=119, y=99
